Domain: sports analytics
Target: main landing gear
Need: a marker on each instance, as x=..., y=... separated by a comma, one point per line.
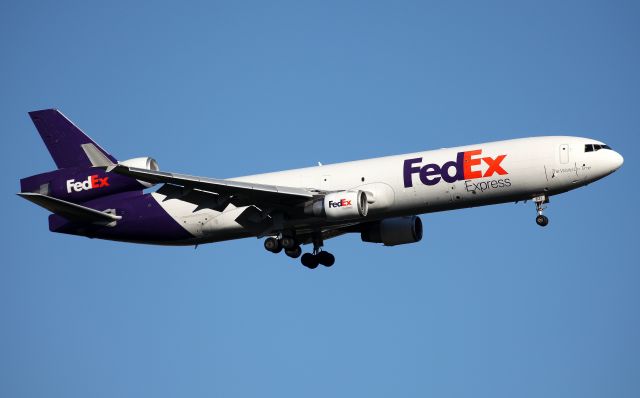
x=273, y=245
x=541, y=219
x=312, y=260
x=289, y=245
x=292, y=249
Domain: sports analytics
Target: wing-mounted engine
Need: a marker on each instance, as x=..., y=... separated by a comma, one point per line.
x=342, y=205
x=393, y=231
x=146, y=163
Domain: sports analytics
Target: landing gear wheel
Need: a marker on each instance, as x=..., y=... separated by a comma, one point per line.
x=309, y=261
x=273, y=245
x=542, y=220
x=293, y=253
x=288, y=243
x=325, y=258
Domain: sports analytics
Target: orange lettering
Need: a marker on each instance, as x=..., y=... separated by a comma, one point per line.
x=470, y=162
x=494, y=166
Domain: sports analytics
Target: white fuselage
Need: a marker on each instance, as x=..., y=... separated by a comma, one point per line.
x=428, y=181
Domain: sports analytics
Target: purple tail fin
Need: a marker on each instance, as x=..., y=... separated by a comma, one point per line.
x=66, y=143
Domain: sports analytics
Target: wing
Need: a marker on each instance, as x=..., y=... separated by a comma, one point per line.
x=236, y=192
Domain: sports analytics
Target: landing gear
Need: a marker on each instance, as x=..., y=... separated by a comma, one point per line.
x=541, y=219
x=293, y=253
x=273, y=245
x=312, y=260
x=290, y=246
x=292, y=249
x=288, y=243
x=325, y=258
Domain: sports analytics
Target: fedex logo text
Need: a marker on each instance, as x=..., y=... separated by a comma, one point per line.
x=91, y=182
x=465, y=167
x=341, y=203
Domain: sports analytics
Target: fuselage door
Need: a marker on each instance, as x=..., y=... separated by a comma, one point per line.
x=564, y=153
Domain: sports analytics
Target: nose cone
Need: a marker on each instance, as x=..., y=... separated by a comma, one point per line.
x=618, y=160
x=614, y=160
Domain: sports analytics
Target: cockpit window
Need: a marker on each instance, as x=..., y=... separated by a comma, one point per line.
x=595, y=147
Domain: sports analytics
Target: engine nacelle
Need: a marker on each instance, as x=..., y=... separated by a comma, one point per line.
x=393, y=231
x=144, y=162
x=343, y=205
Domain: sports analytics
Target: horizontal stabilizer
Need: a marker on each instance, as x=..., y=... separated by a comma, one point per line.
x=68, y=210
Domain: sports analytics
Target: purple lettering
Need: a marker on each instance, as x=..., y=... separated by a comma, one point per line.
x=457, y=164
x=427, y=171
x=409, y=170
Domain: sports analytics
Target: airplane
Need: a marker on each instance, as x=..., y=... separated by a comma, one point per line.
x=92, y=194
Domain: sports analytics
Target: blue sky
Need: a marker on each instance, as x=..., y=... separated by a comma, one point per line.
x=487, y=305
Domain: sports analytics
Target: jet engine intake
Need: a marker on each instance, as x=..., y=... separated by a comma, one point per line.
x=144, y=162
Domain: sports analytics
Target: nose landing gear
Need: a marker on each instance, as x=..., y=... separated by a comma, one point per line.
x=541, y=219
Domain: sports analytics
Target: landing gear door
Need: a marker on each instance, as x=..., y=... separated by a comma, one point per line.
x=564, y=153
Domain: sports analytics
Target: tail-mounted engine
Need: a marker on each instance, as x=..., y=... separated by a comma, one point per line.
x=80, y=184
x=144, y=162
x=343, y=205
